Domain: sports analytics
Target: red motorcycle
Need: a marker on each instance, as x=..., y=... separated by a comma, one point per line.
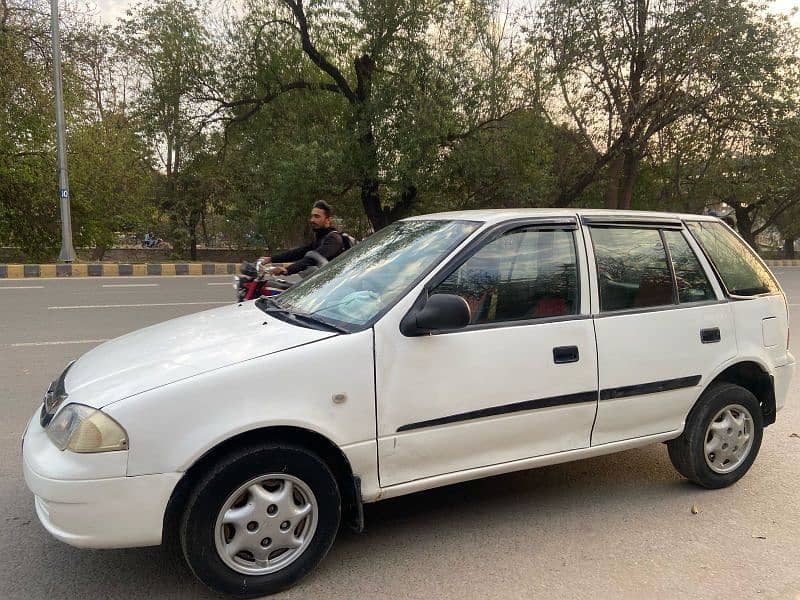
x=259, y=279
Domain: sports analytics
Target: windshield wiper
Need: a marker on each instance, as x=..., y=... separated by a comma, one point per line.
x=319, y=321
x=268, y=304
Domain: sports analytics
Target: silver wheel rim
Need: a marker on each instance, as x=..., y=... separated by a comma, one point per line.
x=266, y=524
x=729, y=439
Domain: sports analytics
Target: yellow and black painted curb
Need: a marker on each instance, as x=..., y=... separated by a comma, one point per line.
x=116, y=270
x=165, y=269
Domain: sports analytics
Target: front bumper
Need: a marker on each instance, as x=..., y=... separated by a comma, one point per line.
x=87, y=501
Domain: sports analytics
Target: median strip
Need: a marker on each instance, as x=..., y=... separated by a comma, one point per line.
x=19, y=271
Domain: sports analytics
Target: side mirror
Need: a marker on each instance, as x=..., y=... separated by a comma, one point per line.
x=440, y=312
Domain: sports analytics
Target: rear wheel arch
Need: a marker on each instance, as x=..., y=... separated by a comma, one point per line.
x=330, y=453
x=755, y=378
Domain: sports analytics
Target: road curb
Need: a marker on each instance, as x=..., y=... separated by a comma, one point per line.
x=783, y=262
x=31, y=271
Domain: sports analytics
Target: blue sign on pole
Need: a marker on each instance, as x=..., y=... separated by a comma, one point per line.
x=62, y=193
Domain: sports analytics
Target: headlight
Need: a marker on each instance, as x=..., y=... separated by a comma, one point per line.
x=83, y=429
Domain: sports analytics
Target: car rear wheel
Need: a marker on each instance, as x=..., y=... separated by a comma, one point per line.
x=721, y=439
x=260, y=520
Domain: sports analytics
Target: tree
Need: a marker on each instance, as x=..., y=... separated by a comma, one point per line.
x=761, y=182
x=507, y=165
x=171, y=54
x=626, y=71
x=406, y=80
x=112, y=179
x=28, y=206
x=109, y=163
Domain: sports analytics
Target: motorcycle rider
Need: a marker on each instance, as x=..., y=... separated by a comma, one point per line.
x=327, y=241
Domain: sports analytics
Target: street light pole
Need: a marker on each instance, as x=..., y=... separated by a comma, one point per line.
x=67, y=253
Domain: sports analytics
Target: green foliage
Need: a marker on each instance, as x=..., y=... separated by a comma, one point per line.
x=189, y=125
x=27, y=199
x=625, y=71
x=112, y=181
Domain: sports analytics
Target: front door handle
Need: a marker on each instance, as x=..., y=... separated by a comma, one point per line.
x=565, y=354
x=710, y=336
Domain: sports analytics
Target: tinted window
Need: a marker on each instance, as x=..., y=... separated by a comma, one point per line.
x=525, y=274
x=736, y=263
x=693, y=285
x=632, y=269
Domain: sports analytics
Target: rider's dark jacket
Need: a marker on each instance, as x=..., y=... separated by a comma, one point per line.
x=327, y=242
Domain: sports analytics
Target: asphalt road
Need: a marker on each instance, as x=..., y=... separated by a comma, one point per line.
x=618, y=526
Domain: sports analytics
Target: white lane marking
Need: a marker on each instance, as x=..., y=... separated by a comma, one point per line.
x=225, y=283
x=135, y=305
x=116, y=285
x=22, y=287
x=26, y=344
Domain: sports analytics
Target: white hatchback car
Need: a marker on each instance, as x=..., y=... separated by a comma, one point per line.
x=444, y=348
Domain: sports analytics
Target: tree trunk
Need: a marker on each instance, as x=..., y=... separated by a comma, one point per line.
x=371, y=201
x=370, y=185
x=99, y=252
x=194, y=222
x=613, y=178
x=744, y=224
x=193, y=242
x=788, y=248
x=629, y=173
x=169, y=158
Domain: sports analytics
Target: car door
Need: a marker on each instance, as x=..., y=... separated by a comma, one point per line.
x=662, y=326
x=519, y=381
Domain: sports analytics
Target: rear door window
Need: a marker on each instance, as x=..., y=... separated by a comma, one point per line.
x=632, y=268
x=737, y=265
x=693, y=284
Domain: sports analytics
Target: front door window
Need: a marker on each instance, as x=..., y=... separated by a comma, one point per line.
x=522, y=275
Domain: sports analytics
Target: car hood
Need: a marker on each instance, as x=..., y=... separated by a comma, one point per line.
x=180, y=348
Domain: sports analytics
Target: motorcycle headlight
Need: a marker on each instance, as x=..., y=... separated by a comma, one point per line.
x=84, y=429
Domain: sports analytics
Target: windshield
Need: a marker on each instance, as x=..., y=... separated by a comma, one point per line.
x=355, y=288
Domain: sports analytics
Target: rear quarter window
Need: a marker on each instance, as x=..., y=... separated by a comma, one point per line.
x=736, y=263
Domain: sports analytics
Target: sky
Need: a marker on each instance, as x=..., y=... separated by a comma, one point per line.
x=109, y=10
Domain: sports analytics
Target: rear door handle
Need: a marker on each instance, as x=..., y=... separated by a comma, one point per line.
x=710, y=336
x=565, y=354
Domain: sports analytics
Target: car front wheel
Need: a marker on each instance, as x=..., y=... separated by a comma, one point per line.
x=260, y=520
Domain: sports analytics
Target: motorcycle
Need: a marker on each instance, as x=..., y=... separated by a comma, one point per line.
x=151, y=242
x=259, y=279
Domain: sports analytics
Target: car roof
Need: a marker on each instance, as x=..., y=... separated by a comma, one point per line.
x=506, y=214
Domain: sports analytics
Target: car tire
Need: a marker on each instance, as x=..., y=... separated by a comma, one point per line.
x=721, y=438
x=248, y=507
